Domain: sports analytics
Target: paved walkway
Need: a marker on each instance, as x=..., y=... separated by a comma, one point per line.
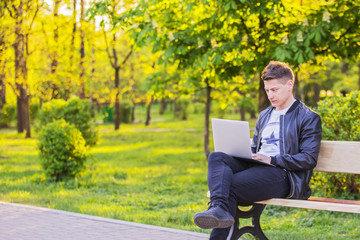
x=22, y=222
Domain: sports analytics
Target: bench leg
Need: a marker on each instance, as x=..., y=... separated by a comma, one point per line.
x=255, y=229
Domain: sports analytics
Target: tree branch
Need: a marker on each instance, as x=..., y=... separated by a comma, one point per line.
x=108, y=50
x=127, y=57
x=248, y=32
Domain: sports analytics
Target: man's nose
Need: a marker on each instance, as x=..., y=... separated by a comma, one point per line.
x=270, y=95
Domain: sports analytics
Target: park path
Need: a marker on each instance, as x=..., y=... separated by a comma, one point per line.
x=22, y=222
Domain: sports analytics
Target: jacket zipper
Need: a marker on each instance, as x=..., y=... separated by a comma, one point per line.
x=261, y=130
x=292, y=185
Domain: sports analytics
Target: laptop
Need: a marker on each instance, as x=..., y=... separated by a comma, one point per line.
x=233, y=138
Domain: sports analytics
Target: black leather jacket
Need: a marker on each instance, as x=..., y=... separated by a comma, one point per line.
x=300, y=136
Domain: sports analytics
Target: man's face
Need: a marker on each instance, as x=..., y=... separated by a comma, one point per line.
x=279, y=94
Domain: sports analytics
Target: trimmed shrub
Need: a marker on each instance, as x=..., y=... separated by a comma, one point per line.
x=74, y=111
x=126, y=107
x=62, y=150
x=340, y=122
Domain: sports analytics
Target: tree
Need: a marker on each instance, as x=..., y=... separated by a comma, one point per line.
x=82, y=52
x=19, y=10
x=113, y=56
x=72, y=50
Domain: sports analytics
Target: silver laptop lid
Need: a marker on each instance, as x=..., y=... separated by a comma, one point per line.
x=232, y=137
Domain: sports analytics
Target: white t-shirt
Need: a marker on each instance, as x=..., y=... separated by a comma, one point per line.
x=270, y=145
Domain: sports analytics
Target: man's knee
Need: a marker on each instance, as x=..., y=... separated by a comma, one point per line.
x=215, y=156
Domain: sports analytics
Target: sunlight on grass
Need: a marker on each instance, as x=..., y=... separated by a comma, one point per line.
x=15, y=195
x=119, y=148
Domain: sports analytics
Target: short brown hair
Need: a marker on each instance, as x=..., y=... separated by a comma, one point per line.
x=277, y=70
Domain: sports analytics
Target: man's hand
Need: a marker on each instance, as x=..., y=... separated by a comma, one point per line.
x=261, y=158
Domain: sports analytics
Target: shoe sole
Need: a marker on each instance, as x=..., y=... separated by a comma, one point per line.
x=207, y=222
x=225, y=224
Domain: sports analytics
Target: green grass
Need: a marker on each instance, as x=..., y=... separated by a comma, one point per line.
x=153, y=175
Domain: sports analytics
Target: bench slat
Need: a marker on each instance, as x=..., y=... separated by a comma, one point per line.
x=339, y=157
x=311, y=204
x=332, y=200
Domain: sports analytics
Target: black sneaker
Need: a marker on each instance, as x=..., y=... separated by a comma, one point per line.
x=215, y=217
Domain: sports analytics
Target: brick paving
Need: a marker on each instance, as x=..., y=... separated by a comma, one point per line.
x=22, y=222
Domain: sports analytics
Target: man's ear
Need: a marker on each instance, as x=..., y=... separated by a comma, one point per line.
x=290, y=84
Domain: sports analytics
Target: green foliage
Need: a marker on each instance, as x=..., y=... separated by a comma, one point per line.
x=126, y=108
x=341, y=117
x=62, y=150
x=108, y=113
x=7, y=114
x=74, y=111
x=34, y=110
x=340, y=122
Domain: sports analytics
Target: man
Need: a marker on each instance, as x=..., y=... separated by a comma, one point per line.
x=287, y=135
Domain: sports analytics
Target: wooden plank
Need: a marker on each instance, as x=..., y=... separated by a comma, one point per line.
x=328, y=206
x=339, y=157
x=332, y=200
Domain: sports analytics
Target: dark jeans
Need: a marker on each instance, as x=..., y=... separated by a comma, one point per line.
x=234, y=180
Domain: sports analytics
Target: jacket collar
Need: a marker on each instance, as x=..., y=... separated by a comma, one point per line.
x=292, y=108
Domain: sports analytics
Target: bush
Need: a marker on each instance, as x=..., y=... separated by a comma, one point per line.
x=199, y=107
x=340, y=122
x=182, y=108
x=62, y=150
x=74, y=111
x=108, y=113
x=7, y=115
x=126, y=108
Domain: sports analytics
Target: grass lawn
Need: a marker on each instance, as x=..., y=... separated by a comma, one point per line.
x=153, y=175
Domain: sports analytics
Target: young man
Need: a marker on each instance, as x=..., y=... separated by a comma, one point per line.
x=287, y=135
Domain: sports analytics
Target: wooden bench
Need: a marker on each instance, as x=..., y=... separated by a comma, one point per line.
x=334, y=157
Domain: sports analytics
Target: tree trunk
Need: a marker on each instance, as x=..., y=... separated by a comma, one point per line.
x=133, y=94
x=117, y=101
x=163, y=105
x=2, y=90
x=26, y=112
x=207, y=119
x=23, y=119
x=72, y=49
x=252, y=114
x=133, y=113
x=316, y=94
x=2, y=82
x=82, y=52
x=242, y=113
x=54, y=62
x=263, y=100
x=148, y=112
x=93, y=63
x=19, y=118
x=344, y=67
x=3, y=48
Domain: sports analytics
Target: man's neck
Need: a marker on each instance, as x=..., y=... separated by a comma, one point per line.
x=288, y=103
